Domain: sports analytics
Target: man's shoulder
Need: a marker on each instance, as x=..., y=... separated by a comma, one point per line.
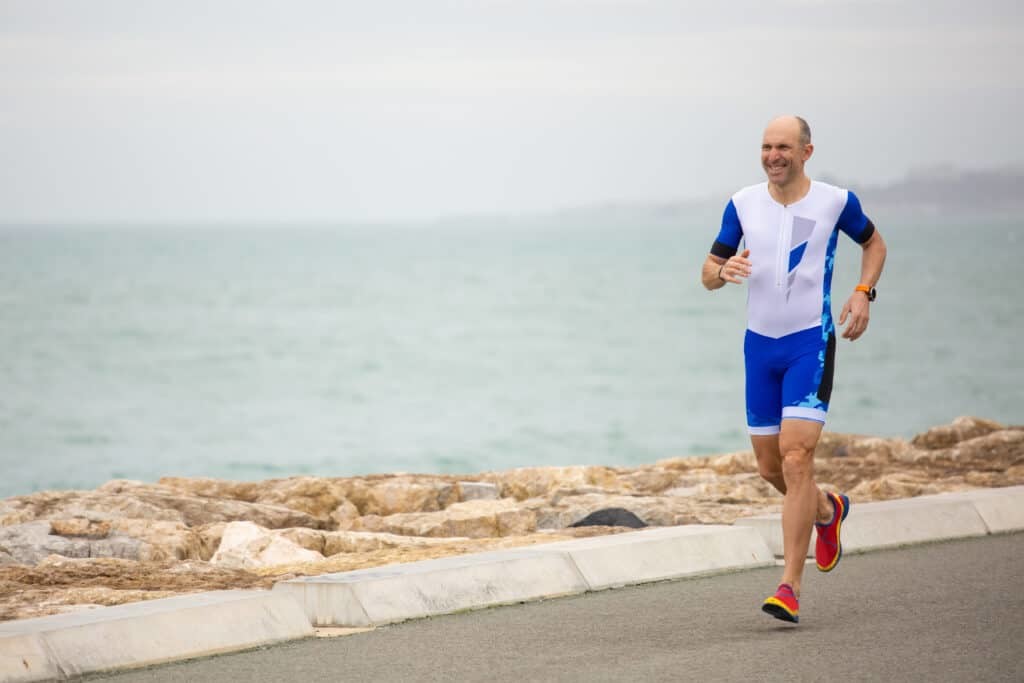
x=750, y=191
x=830, y=190
x=749, y=197
x=828, y=196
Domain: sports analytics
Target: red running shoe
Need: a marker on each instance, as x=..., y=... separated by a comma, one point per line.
x=828, y=550
x=784, y=604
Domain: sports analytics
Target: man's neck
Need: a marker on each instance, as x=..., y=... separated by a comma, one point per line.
x=791, y=192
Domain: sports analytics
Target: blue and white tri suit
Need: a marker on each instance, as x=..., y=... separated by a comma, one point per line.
x=790, y=342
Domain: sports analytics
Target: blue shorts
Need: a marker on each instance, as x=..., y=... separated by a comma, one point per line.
x=788, y=377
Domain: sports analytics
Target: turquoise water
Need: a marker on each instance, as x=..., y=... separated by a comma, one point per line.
x=256, y=352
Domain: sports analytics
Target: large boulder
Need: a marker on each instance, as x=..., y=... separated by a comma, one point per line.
x=32, y=542
x=472, y=519
x=353, y=542
x=384, y=495
x=961, y=429
x=532, y=482
x=245, y=545
x=197, y=510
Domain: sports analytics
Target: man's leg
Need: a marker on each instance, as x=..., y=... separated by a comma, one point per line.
x=769, y=460
x=804, y=502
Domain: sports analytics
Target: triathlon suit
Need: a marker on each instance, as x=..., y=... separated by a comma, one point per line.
x=790, y=342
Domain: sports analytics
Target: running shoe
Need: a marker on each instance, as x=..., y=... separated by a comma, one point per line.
x=828, y=550
x=784, y=604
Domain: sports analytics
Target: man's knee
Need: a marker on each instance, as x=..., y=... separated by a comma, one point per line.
x=797, y=460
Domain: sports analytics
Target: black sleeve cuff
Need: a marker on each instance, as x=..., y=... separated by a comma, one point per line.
x=725, y=251
x=869, y=230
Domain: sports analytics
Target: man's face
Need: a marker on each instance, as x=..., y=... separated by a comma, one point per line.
x=782, y=155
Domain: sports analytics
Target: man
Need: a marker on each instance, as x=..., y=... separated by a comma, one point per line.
x=790, y=226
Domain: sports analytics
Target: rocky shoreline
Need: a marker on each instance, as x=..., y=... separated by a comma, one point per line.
x=126, y=541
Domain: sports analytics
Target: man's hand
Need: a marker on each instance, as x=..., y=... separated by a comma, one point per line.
x=857, y=309
x=736, y=267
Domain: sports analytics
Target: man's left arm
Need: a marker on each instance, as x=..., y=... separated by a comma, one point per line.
x=857, y=307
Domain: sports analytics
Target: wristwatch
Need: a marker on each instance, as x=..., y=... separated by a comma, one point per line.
x=870, y=291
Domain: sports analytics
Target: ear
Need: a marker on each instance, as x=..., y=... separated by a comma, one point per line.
x=808, y=150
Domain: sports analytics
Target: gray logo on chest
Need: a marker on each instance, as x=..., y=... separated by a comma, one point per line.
x=802, y=229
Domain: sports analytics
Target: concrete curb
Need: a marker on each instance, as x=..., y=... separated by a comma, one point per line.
x=145, y=633
x=452, y=584
x=894, y=523
x=371, y=597
x=664, y=553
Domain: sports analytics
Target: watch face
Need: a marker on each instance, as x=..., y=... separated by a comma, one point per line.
x=872, y=294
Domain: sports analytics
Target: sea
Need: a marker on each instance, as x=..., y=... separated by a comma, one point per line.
x=251, y=351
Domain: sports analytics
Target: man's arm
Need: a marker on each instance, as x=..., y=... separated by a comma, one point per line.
x=857, y=307
x=711, y=273
x=717, y=270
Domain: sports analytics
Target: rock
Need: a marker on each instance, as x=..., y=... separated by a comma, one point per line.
x=197, y=510
x=345, y=515
x=80, y=527
x=391, y=495
x=310, y=539
x=31, y=542
x=472, y=519
x=611, y=517
x=93, y=505
x=961, y=429
x=477, y=490
x=161, y=540
x=245, y=545
x=121, y=499
x=878, y=449
x=734, y=463
x=337, y=542
x=317, y=497
x=649, y=480
x=209, y=538
x=244, y=491
x=531, y=482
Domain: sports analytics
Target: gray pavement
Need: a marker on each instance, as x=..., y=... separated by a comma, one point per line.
x=951, y=611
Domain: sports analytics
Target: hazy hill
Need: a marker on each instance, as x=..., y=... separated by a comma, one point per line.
x=949, y=189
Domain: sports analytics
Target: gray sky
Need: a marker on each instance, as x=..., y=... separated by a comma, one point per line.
x=408, y=109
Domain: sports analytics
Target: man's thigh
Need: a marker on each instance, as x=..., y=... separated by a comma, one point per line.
x=798, y=434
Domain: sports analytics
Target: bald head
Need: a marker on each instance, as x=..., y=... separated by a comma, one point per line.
x=789, y=123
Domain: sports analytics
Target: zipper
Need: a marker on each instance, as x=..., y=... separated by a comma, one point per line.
x=781, y=271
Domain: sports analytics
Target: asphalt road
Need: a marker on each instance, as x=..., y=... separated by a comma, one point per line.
x=950, y=611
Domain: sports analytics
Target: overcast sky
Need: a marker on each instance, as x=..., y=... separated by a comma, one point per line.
x=412, y=109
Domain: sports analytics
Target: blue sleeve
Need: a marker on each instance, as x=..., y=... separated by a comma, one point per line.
x=728, y=241
x=853, y=222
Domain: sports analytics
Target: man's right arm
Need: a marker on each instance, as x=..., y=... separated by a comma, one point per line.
x=711, y=273
x=718, y=270
x=721, y=264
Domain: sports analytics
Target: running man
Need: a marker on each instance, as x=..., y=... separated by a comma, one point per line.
x=790, y=226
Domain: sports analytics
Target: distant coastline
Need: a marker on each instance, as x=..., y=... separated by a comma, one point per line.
x=934, y=192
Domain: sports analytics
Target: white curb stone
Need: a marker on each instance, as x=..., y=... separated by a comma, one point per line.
x=145, y=633
x=23, y=657
x=1001, y=509
x=665, y=553
x=890, y=523
x=371, y=597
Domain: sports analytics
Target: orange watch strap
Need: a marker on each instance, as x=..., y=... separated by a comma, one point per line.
x=862, y=288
